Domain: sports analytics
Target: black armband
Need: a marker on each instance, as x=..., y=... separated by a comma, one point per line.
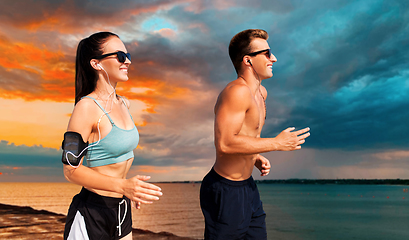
x=72, y=146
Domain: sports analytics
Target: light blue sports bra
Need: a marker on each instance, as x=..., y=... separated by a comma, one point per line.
x=115, y=147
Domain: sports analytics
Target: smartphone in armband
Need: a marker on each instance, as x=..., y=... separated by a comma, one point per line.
x=74, y=148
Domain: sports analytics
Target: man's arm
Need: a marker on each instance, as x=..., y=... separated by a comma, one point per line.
x=230, y=114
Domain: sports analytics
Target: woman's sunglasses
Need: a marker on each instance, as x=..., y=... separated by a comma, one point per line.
x=120, y=55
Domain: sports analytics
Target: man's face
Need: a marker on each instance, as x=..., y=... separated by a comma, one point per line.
x=262, y=62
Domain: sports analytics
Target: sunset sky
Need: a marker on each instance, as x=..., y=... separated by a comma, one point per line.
x=342, y=70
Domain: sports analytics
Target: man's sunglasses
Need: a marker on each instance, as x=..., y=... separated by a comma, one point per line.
x=120, y=55
x=267, y=51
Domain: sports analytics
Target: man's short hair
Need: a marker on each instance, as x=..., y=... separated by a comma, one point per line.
x=240, y=45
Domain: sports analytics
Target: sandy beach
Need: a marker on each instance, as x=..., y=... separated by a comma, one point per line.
x=18, y=222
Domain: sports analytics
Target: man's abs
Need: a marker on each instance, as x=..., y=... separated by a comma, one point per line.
x=235, y=167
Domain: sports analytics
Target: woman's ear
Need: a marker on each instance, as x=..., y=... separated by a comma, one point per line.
x=95, y=64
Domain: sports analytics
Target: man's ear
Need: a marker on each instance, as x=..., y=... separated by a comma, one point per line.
x=95, y=64
x=247, y=60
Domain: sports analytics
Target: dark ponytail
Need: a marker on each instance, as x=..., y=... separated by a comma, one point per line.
x=85, y=75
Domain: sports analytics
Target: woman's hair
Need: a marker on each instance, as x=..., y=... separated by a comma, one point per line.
x=240, y=45
x=85, y=75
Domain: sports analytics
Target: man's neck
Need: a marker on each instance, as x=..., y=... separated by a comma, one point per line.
x=252, y=81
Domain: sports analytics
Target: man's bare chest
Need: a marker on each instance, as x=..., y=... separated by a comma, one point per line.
x=255, y=118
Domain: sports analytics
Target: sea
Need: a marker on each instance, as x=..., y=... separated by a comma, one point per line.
x=294, y=211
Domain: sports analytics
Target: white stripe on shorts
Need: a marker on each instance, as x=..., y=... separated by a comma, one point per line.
x=78, y=230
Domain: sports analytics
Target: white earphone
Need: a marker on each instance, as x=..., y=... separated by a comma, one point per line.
x=99, y=65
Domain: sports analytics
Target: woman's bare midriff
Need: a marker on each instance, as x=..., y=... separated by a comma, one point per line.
x=116, y=170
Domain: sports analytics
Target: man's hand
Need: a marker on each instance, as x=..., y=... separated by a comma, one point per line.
x=263, y=164
x=289, y=141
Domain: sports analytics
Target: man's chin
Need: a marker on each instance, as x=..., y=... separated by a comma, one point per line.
x=269, y=76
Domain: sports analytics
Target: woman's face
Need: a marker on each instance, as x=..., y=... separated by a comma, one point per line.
x=116, y=70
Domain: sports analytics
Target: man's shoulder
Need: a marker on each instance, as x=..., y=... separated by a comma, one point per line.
x=236, y=89
x=235, y=94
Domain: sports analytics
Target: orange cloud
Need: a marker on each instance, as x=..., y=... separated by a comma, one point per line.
x=35, y=24
x=34, y=72
x=19, y=55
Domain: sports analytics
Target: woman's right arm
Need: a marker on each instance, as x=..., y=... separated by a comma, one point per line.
x=134, y=188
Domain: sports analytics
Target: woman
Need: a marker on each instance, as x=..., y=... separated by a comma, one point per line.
x=102, y=210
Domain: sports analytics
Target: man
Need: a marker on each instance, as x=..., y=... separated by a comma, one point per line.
x=229, y=197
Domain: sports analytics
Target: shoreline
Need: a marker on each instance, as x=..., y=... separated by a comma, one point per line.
x=17, y=222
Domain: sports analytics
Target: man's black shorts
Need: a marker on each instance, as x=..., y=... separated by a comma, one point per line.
x=232, y=209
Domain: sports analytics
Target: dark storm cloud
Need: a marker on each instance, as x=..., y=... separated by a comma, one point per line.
x=352, y=87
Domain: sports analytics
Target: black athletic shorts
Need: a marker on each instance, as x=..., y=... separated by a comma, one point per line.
x=92, y=216
x=232, y=209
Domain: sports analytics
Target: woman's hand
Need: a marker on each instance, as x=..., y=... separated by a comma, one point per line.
x=139, y=191
x=136, y=205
